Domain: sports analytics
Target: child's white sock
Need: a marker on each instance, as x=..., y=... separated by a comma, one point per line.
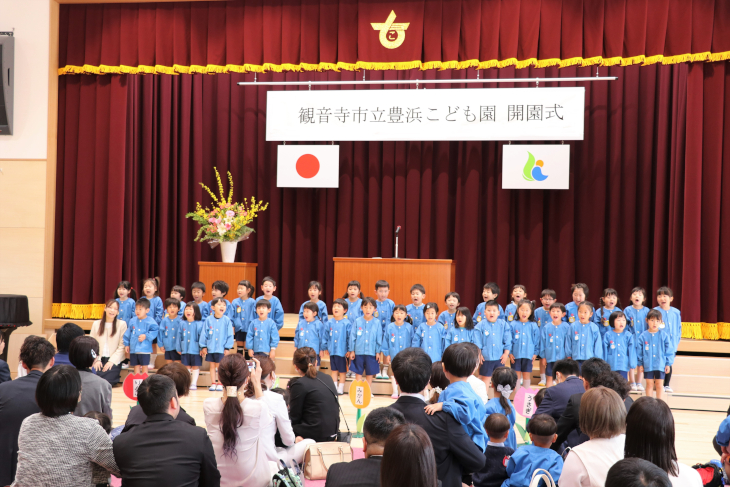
x=196, y=373
x=542, y=377
x=341, y=388
x=153, y=359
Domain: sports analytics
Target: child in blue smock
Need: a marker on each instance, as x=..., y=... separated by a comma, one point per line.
x=608, y=304
x=315, y=291
x=197, y=289
x=268, y=287
x=496, y=342
x=219, y=289
x=310, y=331
x=459, y=399
x=383, y=312
x=490, y=292
x=619, y=346
x=415, y=309
x=397, y=337
x=150, y=288
x=553, y=337
x=178, y=292
x=262, y=336
x=525, y=341
x=168, y=335
x=579, y=293
x=191, y=327
x=429, y=336
x=216, y=338
x=243, y=307
x=141, y=331
x=585, y=340
x=519, y=292
x=339, y=329
x=354, y=301
x=542, y=316
x=447, y=317
x=636, y=318
x=463, y=330
x=366, y=342
x=671, y=324
x=523, y=462
x=504, y=381
x=126, y=297
x=656, y=355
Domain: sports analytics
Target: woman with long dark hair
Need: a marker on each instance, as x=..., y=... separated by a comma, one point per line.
x=109, y=331
x=408, y=459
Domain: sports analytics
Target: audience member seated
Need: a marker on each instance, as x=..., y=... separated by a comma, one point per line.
x=240, y=426
x=109, y=332
x=100, y=476
x=526, y=459
x=55, y=447
x=365, y=472
x=313, y=405
x=565, y=374
x=17, y=401
x=162, y=451
x=180, y=375
x=288, y=446
x=64, y=336
x=437, y=383
x=456, y=454
x=408, y=458
x=650, y=435
x=4, y=369
x=494, y=471
x=97, y=395
x=635, y=472
x=722, y=439
x=480, y=388
x=540, y=396
x=603, y=419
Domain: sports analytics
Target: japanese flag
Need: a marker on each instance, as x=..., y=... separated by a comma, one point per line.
x=308, y=166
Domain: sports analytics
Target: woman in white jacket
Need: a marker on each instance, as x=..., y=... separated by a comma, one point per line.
x=109, y=331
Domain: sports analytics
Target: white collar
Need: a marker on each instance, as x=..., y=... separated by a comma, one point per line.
x=415, y=394
x=490, y=443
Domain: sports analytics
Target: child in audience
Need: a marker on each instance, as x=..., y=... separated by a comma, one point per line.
x=150, y=288
x=219, y=289
x=268, y=287
x=463, y=331
x=519, y=292
x=671, y=324
x=656, y=355
x=104, y=420
x=437, y=383
x=191, y=327
x=100, y=477
x=415, y=309
x=429, y=336
x=490, y=292
x=141, y=331
x=178, y=292
x=619, y=345
x=553, y=336
x=495, y=342
x=383, y=312
x=608, y=304
x=310, y=331
x=497, y=454
x=579, y=292
x=397, y=337
x=453, y=301
x=585, y=339
x=354, y=301
x=521, y=465
x=216, y=338
x=262, y=336
x=366, y=341
x=198, y=291
x=243, y=307
x=459, y=399
x=126, y=296
x=168, y=335
x=315, y=291
x=540, y=396
x=504, y=381
x=475, y=382
x=542, y=316
x=636, y=317
x=525, y=341
x=337, y=343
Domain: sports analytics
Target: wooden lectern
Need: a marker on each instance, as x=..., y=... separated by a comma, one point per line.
x=436, y=275
x=232, y=273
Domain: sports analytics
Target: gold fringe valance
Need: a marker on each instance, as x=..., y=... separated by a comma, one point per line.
x=77, y=311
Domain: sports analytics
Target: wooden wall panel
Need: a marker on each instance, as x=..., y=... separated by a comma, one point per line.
x=232, y=273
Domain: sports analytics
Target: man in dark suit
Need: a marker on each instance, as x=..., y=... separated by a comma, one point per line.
x=162, y=451
x=565, y=373
x=17, y=401
x=181, y=377
x=456, y=453
x=365, y=472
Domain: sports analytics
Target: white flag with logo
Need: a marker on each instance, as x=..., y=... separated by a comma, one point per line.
x=308, y=166
x=535, y=166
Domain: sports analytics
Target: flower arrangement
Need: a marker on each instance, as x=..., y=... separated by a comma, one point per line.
x=226, y=221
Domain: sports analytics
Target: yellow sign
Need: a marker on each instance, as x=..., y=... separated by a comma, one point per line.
x=360, y=393
x=392, y=35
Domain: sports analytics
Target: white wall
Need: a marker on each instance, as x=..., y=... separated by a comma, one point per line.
x=30, y=19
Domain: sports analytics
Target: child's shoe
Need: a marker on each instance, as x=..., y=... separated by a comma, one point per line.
x=125, y=365
x=386, y=376
x=542, y=383
x=634, y=387
x=394, y=396
x=379, y=376
x=212, y=388
x=668, y=389
x=193, y=387
x=640, y=387
x=219, y=387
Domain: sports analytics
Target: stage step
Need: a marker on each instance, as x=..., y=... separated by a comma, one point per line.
x=697, y=402
x=702, y=366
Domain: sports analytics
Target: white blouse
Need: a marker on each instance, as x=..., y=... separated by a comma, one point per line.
x=278, y=409
x=688, y=477
x=111, y=346
x=588, y=464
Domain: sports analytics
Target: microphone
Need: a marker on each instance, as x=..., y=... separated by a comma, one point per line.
x=397, y=230
x=396, y=241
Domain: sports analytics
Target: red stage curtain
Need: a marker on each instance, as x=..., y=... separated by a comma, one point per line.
x=645, y=205
x=316, y=35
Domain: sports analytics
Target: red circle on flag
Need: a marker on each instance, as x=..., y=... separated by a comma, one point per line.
x=307, y=166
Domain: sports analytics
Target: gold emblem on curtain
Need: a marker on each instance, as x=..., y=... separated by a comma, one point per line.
x=392, y=35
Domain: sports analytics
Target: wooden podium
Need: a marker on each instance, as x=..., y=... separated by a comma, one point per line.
x=437, y=276
x=232, y=274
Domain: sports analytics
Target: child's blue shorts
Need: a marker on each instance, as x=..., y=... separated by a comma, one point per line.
x=192, y=359
x=654, y=374
x=139, y=359
x=522, y=365
x=338, y=364
x=549, y=369
x=240, y=336
x=623, y=373
x=172, y=355
x=215, y=357
x=488, y=366
x=365, y=363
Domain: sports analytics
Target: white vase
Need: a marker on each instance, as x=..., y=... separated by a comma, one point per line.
x=228, y=251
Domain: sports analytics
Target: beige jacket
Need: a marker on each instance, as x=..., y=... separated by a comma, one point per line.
x=114, y=342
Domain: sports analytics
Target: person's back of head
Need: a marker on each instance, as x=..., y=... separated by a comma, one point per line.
x=379, y=423
x=154, y=394
x=593, y=367
x=408, y=459
x=650, y=434
x=179, y=375
x=635, y=472
x=58, y=389
x=234, y=375
x=412, y=370
x=540, y=396
x=36, y=352
x=305, y=359
x=438, y=381
x=542, y=429
x=83, y=351
x=614, y=381
x=602, y=413
x=497, y=426
x=66, y=334
x=504, y=381
x=104, y=420
x=566, y=367
x=459, y=360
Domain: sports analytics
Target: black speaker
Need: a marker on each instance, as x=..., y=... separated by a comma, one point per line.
x=7, y=49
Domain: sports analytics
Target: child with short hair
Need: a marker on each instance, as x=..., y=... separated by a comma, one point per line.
x=397, y=337
x=495, y=341
x=579, y=293
x=219, y=289
x=504, y=382
x=262, y=336
x=656, y=355
x=191, y=327
x=141, y=331
x=366, y=341
x=178, y=292
x=415, y=309
x=150, y=288
x=525, y=341
x=168, y=335
x=310, y=331
x=337, y=343
x=490, y=292
x=126, y=296
x=619, y=345
x=519, y=292
x=197, y=289
x=216, y=338
x=497, y=453
x=636, y=316
x=540, y=396
x=553, y=337
x=447, y=317
x=268, y=287
x=521, y=465
x=542, y=316
x=354, y=301
x=584, y=341
x=608, y=303
x=671, y=324
x=429, y=336
x=383, y=312
x=243, y=307
x=314, y=290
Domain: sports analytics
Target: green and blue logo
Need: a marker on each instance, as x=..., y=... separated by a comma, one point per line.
x=533, y=170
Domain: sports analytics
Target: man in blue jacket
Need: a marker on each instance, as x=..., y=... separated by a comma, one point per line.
x=565, y=373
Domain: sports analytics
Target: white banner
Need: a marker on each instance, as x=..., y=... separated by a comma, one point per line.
x=441, y=114
x=535, y=166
